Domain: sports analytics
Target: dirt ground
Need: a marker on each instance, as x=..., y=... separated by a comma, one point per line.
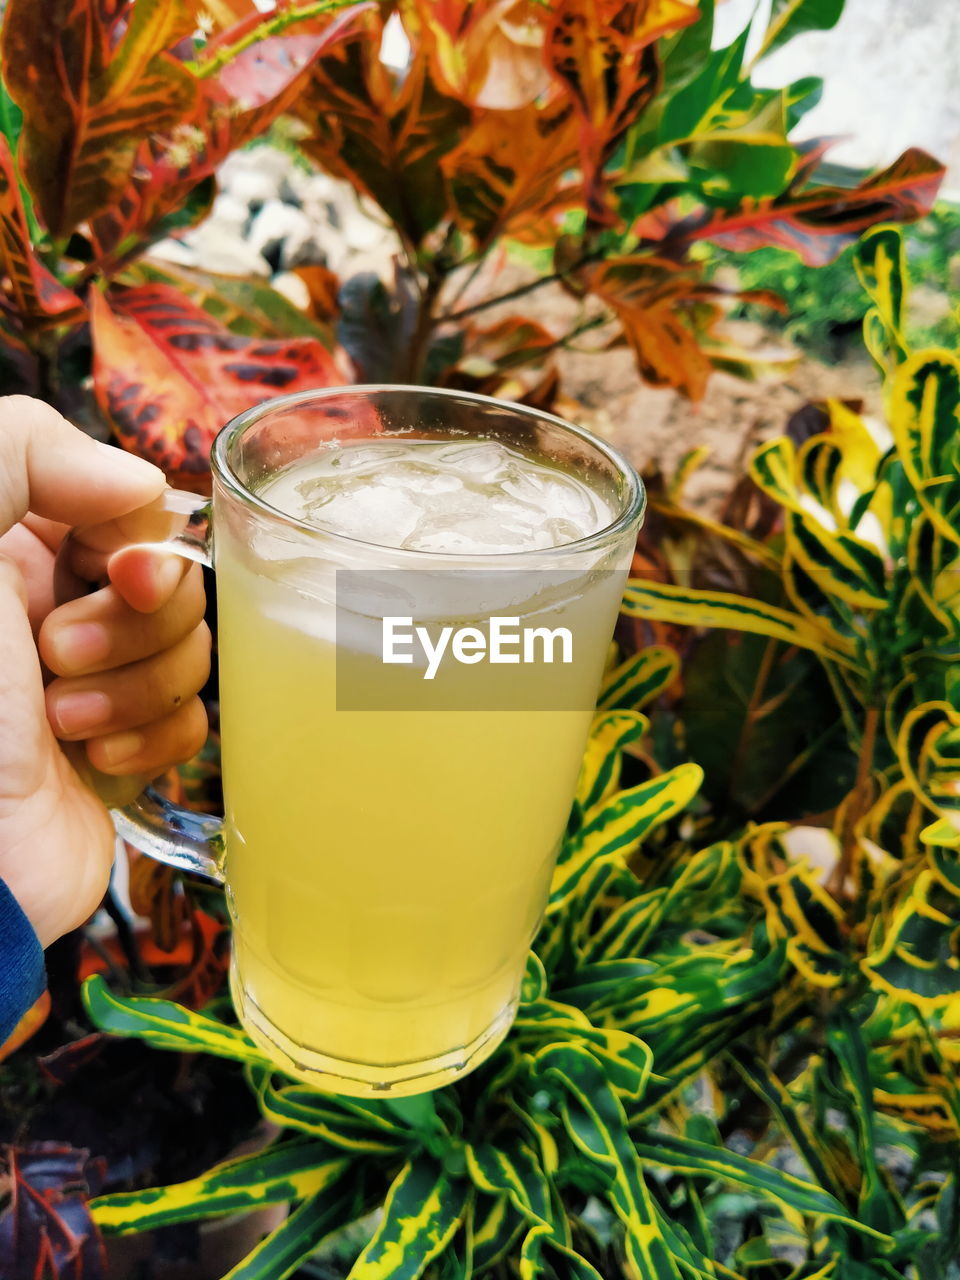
x=654, y=426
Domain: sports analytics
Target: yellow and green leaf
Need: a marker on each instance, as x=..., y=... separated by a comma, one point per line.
x=293, y=1171
x=692, y=607
x=422, y=1212
x=165, y=1025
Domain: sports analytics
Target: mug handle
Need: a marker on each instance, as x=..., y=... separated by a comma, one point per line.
x=156, y=826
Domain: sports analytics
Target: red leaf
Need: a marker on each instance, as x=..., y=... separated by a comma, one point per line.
x=36, y=295
x=46, y=1232
x=168, y=376
x=231, y=109
x=602, y=52
x=92, y=79
x=64, y=1062
x=821, y=221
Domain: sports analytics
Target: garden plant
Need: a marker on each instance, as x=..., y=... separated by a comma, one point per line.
x=731, y=1059
x=737, y=1049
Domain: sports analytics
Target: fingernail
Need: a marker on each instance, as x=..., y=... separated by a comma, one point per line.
x=78, y=647
x=121, y=746
x=78, y=712
x=169, y=573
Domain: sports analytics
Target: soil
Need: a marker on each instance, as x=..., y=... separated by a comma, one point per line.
x=656, y=427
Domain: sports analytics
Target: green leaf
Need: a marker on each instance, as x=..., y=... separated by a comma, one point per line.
x=324, y=1116
x=600, y=772
x=496, y=1225
x=789, y=18
x=542, y=1255
x=878, y=1207
x=165, y=1025
x=689, y=606
x=687, y=1156
x=283, y=1251
x=595, y=1120
x=511, y=1168
x=423, y=1209
x=880, y=262
x=613, y=828
x=788, y=1113
x=640, y=679
x=291, y=1171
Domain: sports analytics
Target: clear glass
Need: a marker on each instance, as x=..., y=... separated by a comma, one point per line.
x=387, y=867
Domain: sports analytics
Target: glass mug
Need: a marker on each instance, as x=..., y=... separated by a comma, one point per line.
x=386, y=868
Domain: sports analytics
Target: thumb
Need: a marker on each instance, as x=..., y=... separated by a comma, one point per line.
x=49, y=467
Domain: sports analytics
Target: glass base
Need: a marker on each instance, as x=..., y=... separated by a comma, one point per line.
x=362, y=1079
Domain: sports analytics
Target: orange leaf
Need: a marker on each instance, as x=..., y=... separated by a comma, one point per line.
x=661, y=307
x=384, y=136
x=92, y=80
x=510, y=360
x=323, y=287
x=168, y=376
x=30, y=1023
x=507, y=176
x=488, y=55
x=602, y=51
x=37, y=295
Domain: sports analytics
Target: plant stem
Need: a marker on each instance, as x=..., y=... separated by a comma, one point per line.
x=857, y=804
x=520, y=291
x=468, y=279
x=269, y=27
x=426, y=323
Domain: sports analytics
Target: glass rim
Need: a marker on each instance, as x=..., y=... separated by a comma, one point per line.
x=635, y=500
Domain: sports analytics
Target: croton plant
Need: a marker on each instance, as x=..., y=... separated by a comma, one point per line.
x=731, y=1060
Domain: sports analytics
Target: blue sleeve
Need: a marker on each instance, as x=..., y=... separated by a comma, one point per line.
x=22, y=974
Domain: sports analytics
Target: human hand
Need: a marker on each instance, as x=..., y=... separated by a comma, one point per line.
x=122, y=665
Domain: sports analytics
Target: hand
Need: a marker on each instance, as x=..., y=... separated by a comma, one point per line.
x=122, y=665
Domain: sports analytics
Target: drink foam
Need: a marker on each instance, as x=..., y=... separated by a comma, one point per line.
x=475, y=497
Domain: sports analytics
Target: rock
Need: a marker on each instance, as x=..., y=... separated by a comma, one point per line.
x=284, y=235
x=293, y=288
x=230, y=213
x=361, y=232
x=219, y=249
x=175, y=251
x=268, y=162
x=250, y=188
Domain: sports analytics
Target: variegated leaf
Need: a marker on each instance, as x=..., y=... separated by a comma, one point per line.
x=689, y=606
x=613, y=828
x=292, y=1171
x=422, y=1211
x=165, y=1025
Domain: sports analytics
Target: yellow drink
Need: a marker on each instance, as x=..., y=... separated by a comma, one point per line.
x=387, y=869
